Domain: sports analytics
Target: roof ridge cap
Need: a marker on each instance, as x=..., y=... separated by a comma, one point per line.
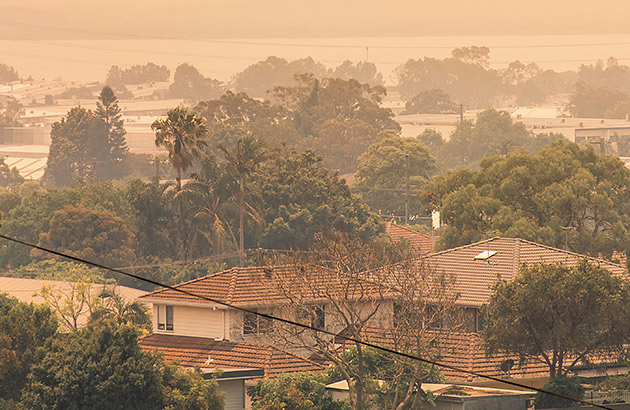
x=579, y=255
x=233, y=282
x=210, y=275
x=516, y=263
x=463, y=246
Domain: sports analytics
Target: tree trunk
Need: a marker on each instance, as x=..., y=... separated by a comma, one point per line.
x=241, y=229
x=181, y=252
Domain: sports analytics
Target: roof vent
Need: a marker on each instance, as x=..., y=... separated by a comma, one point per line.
x=485, y=255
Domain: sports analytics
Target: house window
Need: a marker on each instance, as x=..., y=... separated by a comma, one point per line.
x=165, y=318
x=318, y=317
x=254, y=324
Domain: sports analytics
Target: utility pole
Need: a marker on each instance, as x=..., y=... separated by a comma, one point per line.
x=367, y=54
x=461, y=113
x=407, y=188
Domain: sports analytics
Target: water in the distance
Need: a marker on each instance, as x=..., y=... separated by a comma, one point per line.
x=89, y=60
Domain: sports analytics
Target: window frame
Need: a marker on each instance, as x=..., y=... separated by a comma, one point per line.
x=255, y=325
x=165, y=318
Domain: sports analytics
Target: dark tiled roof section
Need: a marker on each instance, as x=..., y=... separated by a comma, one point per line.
x=420, y=242
x=474, y=279
x=464, y=350
x=261, y=285
x=208, y=353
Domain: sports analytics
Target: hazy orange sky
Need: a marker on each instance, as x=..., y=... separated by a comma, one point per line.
x=323, y=18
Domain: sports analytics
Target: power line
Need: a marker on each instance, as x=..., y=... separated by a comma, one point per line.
x=297, y=324
x=127, y=35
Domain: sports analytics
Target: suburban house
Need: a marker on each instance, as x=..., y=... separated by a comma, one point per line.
x=421, y=243
x=200, y=333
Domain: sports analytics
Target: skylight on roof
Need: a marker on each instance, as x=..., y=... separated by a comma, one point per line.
x=485, y=255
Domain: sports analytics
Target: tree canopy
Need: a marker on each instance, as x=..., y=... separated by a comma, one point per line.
x=564, y=315
x=294, y=391
x=301, y=198
x=431, y=102
x=493, y=133
x=336, y=118
x=191, y=85
x=93, y=235
x=382, y=174
x=24, y=329
x=182, y=133
x=565, y=196
x=102, y=367
x=261, y=77
x=8, y=73
x=9, y=177
x=363, y=71
x=137, y=74
x=597, y=102
x=87, y=144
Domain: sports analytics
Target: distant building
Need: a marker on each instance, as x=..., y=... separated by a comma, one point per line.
x=25, y=136
x=421, y=243
x=199, y=332
x=606, y=140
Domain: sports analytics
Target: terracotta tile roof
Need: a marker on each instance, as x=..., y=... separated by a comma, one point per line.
x=212, y=354
x=261, y=285
x=474, y=278
x=465, y=350
x=420, y=242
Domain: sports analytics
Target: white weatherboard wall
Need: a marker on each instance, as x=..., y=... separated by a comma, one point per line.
x=194, y=321
x=234, y=394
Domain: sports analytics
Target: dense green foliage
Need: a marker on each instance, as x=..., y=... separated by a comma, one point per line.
x=87, y=144
x=382, y=173
x=565, y=315
x=336, y=118
x=10, y=112
x=8, y=73
x=182, y=133
x=191, y=85
x=362, y=71
x=598, y=102
x=567, y=386
x=565, y=196
x=468, y=80
x=31, y=209
x=137, y=74
x=493, y=133
x=301, y=198
x=431, y=102
x=109, y=112
x=302, y=391
x=232, y=116
x=261, y=77
x=102, y=367
x=9, y=177
x=97, y=236
x=23, y=330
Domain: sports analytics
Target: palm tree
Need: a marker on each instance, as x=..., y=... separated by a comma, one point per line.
x=183, y=135
x=206, y=199
x=243, y=159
